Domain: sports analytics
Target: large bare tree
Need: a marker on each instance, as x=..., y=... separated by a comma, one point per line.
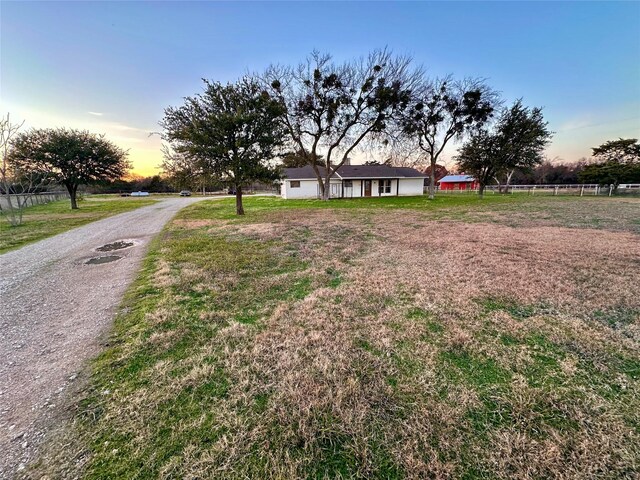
x=444, y=109
x=331, y=108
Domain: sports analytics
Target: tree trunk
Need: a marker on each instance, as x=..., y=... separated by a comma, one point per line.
x=239, y=207
x=14, y=214
x=326, y=190
x=508, y=183
x=481, y=190
x=432, y=179
x=73, y=189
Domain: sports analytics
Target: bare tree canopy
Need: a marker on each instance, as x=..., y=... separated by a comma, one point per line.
x=72, y=157
x=444, y=109
x=297, y=159
x=17, y=187
x=229, y=131
x=331, y=108
x=183, y=172
x=550, y=171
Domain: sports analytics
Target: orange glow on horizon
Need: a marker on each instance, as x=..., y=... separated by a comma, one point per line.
x=145, y=162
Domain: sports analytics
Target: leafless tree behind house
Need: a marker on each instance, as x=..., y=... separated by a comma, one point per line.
x=331, y=108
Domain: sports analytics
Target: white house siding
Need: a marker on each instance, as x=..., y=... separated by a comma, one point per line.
x=408, y=186
x=411, y=186
x=375, y=188
x=354, y=191
x=309, y=188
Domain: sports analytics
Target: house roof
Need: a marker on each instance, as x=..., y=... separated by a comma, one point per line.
x=348, y=172
x=457, y=178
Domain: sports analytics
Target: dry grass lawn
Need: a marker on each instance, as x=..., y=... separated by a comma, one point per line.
x=372, y=343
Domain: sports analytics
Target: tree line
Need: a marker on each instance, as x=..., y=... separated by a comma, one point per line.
x=320, y=113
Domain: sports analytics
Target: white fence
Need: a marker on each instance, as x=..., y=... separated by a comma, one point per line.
x=559, y=189
x=33, y=199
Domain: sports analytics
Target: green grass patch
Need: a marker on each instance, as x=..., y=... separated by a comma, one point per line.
x=516, y=310
x=335, y=278
x=617, y=317
x=473, y=370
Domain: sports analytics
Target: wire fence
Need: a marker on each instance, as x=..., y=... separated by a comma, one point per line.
x=31, y=199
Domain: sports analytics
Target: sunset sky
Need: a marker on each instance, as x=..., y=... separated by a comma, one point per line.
x=113, y=67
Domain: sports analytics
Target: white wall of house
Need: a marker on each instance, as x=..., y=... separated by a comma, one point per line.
x=309, y=188
x=388, y=192
x=354, y=191
x=411, y=186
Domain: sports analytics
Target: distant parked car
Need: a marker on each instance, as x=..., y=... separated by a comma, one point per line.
x=139, y=194
x=185, y=193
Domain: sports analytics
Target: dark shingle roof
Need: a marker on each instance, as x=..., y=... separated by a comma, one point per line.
x=301, y=173
x=355, y=171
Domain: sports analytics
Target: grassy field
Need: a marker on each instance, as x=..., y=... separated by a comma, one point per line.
x=42, y=221
x=394, y=338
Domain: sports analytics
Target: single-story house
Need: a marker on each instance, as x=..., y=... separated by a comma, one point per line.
x=351, y=181
x=458, y=182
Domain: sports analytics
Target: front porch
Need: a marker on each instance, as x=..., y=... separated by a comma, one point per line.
x=357, y=188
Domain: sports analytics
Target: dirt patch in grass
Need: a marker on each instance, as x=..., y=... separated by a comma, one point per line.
x=355, y=344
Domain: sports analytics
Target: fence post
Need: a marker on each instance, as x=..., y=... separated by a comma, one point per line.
x=555, y=191
x=582, y=190
x=610, y=189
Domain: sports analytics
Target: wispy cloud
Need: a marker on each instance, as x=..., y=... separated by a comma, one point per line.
x=97, y=114
x=577, y=122
x=122, y=127
x=590, y=122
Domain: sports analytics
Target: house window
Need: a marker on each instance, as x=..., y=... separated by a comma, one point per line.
x=295, y=183
x=348, y=183
x=385, y=186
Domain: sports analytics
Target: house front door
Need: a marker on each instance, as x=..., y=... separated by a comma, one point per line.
x=367, y=188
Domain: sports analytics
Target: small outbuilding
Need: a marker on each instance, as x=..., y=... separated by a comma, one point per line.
x=458, y=182
x=352, y=181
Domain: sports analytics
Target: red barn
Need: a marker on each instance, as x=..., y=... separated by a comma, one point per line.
x=458, y=182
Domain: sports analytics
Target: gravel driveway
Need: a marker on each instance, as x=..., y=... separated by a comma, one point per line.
x=54, y=309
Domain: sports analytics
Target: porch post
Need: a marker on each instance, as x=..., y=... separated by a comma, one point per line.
x=397, y=186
